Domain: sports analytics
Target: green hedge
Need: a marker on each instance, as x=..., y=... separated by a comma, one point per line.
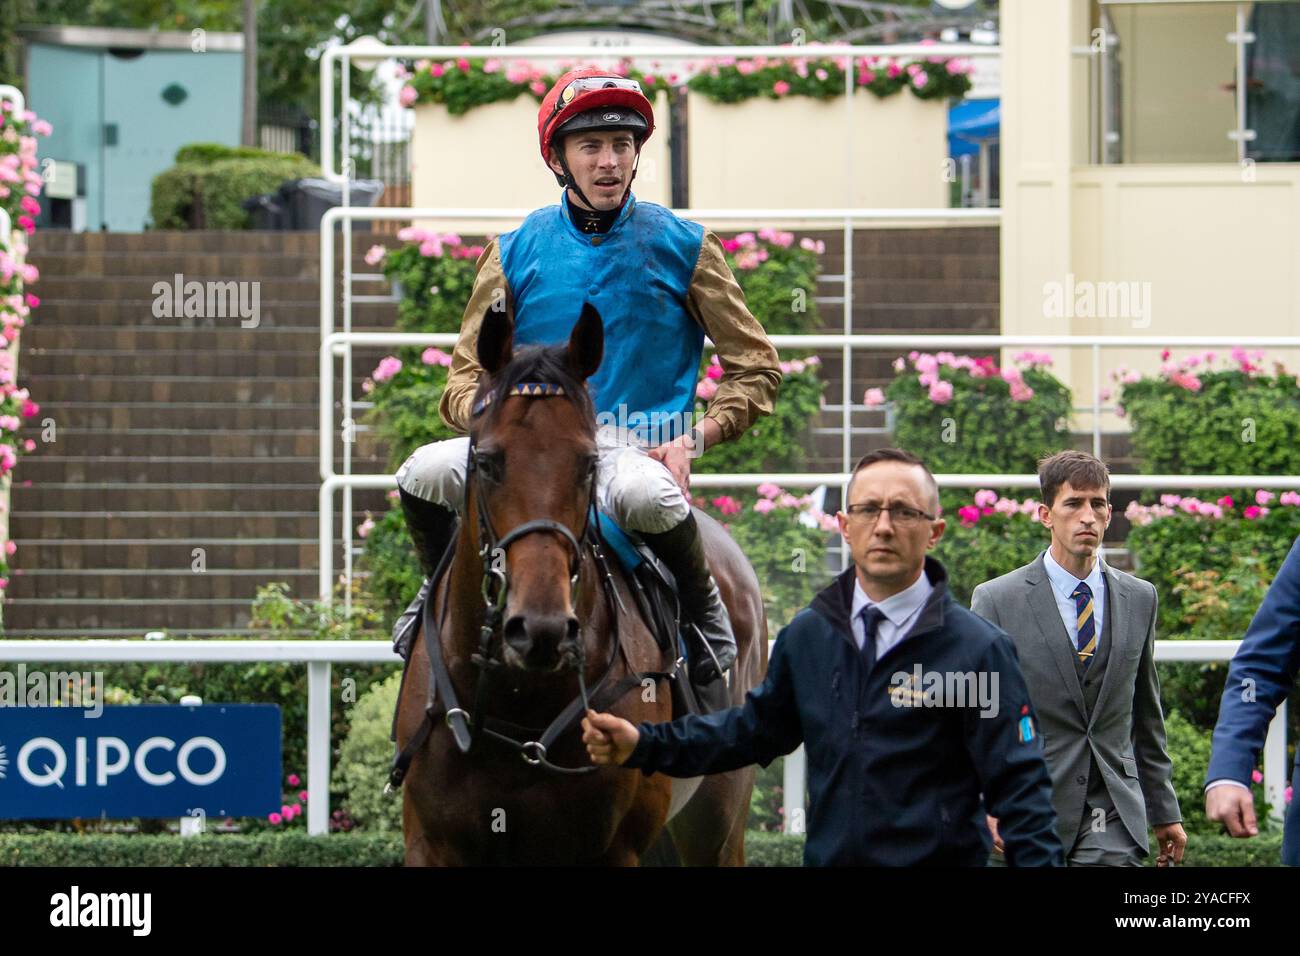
x=981, y=425
x=386, y=849
x=292, y=848
x=1228, y=422
x=365, y=758
x=208, y=194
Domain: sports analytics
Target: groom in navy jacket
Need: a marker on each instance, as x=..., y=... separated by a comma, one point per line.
x=1259, y=678
x=913, y=710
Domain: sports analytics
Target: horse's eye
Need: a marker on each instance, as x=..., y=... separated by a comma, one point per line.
x=489, y=466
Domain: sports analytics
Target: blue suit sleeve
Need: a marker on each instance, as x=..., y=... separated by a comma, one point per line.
x=1259, y=677
x=761, y=729
x=1007, y=753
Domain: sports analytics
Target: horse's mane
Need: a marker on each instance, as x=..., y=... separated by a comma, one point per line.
x=537, y=363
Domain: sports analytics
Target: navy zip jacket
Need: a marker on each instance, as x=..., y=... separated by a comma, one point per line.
x=902, y=760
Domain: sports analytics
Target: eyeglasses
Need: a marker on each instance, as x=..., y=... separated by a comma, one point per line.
x=588, y=83
x=900, y=515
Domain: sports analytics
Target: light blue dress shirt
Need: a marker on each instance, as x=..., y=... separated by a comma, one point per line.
x=900, y=612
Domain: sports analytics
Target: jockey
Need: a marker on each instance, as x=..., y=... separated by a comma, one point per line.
x=661, y=284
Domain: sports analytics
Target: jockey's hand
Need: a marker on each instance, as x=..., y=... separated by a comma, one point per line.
x=676, y=457
x=609, y=739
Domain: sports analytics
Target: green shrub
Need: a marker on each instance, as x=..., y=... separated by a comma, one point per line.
x=204, y=153
x=1195, y=419
x=988, y=538
x=773, y=849
x=211, y=192
x=288, y=848
x=365, y=759
x=774, y=443
x=778, y=278
x=788, y=556
x=962, y=415
x=435, y=271
x=392, y=568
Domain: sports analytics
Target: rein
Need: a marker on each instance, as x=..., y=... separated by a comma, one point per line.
x=468, y=727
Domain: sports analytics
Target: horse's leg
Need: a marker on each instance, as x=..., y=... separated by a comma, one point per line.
x=710, y=829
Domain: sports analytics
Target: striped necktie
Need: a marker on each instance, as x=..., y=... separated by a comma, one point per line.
x=1086, y=642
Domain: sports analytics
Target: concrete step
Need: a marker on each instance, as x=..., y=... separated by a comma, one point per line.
x=117, y=525
x=184, y=415
x=43, y=469
x=140, y=554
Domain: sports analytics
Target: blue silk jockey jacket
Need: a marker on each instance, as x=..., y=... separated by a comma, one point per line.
x=661, y=284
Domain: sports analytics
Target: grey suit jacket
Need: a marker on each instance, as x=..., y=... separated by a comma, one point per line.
x=1126, y=732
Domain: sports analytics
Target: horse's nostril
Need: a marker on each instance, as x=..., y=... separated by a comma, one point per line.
x=572, y=630
x=515, y=633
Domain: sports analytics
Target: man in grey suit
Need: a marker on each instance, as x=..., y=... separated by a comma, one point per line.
x=1085, y=634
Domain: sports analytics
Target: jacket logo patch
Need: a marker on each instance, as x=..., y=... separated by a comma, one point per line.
x=1026, y=726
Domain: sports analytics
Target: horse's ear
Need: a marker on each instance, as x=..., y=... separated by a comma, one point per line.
x=495, y=341
x=587, y=343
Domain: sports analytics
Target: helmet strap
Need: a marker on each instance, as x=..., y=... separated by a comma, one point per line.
x=570, y=182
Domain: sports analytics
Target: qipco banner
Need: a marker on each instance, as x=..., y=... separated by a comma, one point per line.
x=152, y=760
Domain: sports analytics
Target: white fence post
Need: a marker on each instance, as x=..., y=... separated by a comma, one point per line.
x=318, y=748
x=1275, y=775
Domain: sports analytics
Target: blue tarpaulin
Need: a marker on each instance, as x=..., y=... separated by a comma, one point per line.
x=971, y=121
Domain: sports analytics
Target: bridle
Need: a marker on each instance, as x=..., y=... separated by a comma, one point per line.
x=468, y=727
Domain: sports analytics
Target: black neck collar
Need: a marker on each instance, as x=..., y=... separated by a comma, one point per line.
x=592, y=221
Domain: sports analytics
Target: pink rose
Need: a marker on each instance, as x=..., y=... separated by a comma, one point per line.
x=764, y=505
x=1256, y=776
x=1263, y=497
x=985, y=497
x=408, y=96
x=1224, y=502
x=969, y=515
x=1252, y=512
x=293, y=780
x=941, y=392
x=780, y=87
x=873, y=398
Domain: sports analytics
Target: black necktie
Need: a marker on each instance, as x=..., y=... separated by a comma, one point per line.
x=871, y=617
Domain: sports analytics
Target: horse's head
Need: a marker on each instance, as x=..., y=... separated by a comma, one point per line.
x=534, y=466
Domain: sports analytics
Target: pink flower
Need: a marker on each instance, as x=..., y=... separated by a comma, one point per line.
x=985, y=497
x=1186, y=380
x=926, y=363
x=302, y=795
x=920, y=79
x=538, y=87
x=768, y=490
x=1011, y=375
x=873, y=398
x=764, y=505
x=435, y=356
x=1289, y=498
x=375, y=255
x=387, y=368
x=714, y=371
x=780, y=87
x=1252, y=512
x=293, y=780
x=31, y=300
x=42, y=128
x=1263, y=497
x=30, y=409
x=727, y=505
x=1164, y=355
x=1224, y=502
x=969, y=515
x=706, y=389
x=1286, y=794
x=29, y=445
x=365, y=527
x=408, y=96
x=431, y=247
x=1256, y=776
x=1020, y=392
x=899, y=364
x=941, y=392
x=11, y=546
x=275, y=818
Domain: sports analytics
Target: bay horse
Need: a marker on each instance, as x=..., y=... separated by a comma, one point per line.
x=531, y=627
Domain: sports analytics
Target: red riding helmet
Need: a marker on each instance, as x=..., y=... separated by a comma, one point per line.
x=577, y=100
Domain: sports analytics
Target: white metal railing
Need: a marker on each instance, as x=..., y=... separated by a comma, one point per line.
x=319, y=655
x=332, y=342
x=369, y=52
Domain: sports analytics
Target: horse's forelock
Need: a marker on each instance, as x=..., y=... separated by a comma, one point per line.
x=537, y=363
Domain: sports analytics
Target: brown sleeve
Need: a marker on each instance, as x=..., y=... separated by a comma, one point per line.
x=462, y=379
x=751, y=372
